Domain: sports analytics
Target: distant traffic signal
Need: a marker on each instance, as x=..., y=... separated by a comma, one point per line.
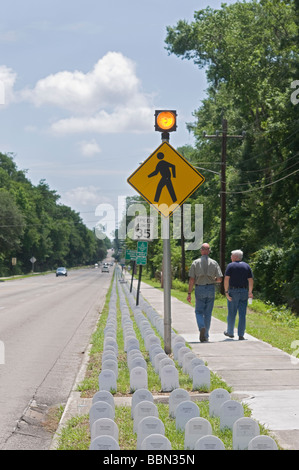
x=165, y=120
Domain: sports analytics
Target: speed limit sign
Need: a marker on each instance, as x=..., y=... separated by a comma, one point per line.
x=143, y=228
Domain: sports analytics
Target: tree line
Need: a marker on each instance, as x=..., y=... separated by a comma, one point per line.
x=34, y=224
x=250, y=53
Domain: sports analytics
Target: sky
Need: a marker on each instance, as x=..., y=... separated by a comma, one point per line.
x=82, y=80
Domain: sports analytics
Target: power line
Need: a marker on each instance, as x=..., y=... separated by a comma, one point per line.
x=264, y=152
x=260, y=187
x=266, y=177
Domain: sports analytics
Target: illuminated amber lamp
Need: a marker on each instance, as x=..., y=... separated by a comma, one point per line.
x=165, y=121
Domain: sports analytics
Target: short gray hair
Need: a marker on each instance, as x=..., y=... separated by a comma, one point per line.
x=238, y=253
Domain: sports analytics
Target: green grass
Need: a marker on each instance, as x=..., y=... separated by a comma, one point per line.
x=76, y=435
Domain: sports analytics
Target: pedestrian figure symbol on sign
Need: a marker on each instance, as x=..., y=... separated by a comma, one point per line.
x=163, y=167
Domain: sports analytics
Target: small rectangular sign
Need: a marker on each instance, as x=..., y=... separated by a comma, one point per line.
x=131, y=254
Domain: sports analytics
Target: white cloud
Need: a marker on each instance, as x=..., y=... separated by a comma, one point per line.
x=7, y=81
x=111, y=82
x=107, y=99
x=90, y=148
x=125, y=119
x=8, y=36
x=84, y=196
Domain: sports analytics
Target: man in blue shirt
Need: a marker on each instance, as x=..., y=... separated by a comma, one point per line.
x=238, y=285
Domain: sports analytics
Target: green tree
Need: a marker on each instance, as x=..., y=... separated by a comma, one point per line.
x=250, y=52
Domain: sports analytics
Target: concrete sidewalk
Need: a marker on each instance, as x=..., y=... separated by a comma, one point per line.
x=266, y=377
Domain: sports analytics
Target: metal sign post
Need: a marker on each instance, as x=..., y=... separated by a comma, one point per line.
x=166, y=284
x=141, y=259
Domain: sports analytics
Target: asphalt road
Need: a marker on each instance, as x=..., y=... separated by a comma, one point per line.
x=45, y=326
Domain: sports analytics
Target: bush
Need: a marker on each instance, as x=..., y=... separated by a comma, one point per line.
x=267, y=266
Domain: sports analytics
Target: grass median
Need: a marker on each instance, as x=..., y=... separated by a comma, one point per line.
x=76, y=434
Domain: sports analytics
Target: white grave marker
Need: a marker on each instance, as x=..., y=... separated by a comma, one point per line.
x=176, y=397
x=104, y=427
x=107, y=380
x=103, y=395
x=244, y=429
x=262, y=443
x=185, y=411
x=142, y=410
x=201, y=378
x=131, y=343
x=158, y=358
x=181, y=353
x=100, y=409
x=156, y=442
x=209, y=443
x=153, y=350
x=169, y=377
x=108, y=355
x=111, y=364
x=110, y=342
x=138, y=362
x=142, y=394
x=178, y=339
x=138, y=378
x=230, y=411
x=195, y=429
x=150, y=340
x=104, y=443
x=217, y=397
x=166, y=361
x=195, y=362
x=148, y=425
x=176, y=348
x=187, y=362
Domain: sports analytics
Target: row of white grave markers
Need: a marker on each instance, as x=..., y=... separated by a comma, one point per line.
x=164, y=366
x=147, y=425
x=103, y=429
x=109, y=370
x=135, y=360
x=190, y=363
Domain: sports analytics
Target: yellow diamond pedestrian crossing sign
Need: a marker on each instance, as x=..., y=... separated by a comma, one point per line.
x=165, y=179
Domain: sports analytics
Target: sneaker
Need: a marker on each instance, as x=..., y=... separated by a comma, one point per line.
x=241, y=338
x=202, y=335
x=226, y=334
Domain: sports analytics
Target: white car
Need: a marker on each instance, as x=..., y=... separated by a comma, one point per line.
x=105, y=269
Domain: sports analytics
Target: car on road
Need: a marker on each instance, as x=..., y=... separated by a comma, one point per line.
x=105, y=269
x=61, y=272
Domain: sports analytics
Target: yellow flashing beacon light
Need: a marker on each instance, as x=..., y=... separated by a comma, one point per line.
x=165, y=121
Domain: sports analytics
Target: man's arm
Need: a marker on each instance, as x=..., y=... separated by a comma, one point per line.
x=226, y=285
x=250, y=287
x=191, y=284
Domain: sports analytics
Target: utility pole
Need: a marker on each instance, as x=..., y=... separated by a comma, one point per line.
x=223, y=138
